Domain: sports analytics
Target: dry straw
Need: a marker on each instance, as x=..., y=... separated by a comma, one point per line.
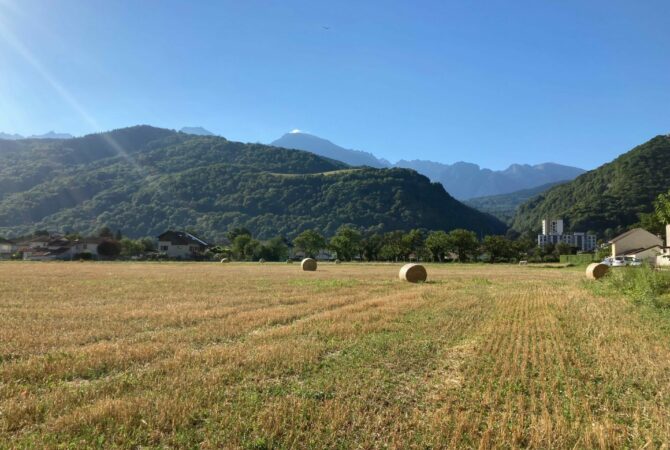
x=595, y=271
x=225, y=260
x=413, y=273
x=308, y=264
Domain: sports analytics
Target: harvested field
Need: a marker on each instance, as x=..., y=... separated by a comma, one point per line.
x=268, y=356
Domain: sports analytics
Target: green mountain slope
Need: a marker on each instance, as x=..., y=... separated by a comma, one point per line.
x=145, y=180
x=504, y=206
x=608, y=199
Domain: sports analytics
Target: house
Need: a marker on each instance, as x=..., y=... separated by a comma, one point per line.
x=35, y=242
x=663, y=260
x=181, y=245
x=552, y=233
x=6, y=248
x=637, y=243
x=86, y=245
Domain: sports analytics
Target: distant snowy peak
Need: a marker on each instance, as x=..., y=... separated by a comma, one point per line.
x=462, y=180
x=299, y=140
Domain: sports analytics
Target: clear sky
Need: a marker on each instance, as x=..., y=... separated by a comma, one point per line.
x=491, y=82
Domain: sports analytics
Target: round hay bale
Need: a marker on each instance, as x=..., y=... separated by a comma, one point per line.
x=225, y=260
x=413, y=273
x=262, y=261
x=337, y=261
x=308, y=264
x=289, y=261
x=595, y=271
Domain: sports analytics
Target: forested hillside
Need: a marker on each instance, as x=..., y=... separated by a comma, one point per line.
x=606, y=200
x=504, y=206
x=144, y=180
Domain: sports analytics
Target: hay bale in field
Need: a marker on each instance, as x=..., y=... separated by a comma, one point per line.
x=289, y=261
x=262, y=261
x=595, y=271
x=337, y=261
x=308, y=264
x=225, y=260
x=413, y=273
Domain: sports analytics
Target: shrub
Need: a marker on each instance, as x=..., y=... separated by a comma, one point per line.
x=641, y=284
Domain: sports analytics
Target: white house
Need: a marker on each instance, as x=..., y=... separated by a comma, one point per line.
x=6, y=248
x=638, y=243
x=85, y=245
x=181, y=245
x=663, y=260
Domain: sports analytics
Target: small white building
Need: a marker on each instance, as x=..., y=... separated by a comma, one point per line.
x=6, y=248
x=637, y=243
x=181, y=245
x=85, y=245
x=663, y=259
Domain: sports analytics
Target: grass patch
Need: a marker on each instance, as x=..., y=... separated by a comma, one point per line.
x=642, y=285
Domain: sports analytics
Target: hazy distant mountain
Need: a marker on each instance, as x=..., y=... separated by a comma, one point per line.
x=504, y=206
x=10, y=137
x=466, y=180
x=308, y=142
x=49, y=135
x=462, y=180
x=198, y=131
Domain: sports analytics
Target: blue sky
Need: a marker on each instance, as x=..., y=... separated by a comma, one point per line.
x=490, y=82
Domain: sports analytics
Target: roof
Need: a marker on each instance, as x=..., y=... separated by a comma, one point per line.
x=90, y=240
x=640, y=250
x=181, y=238
x=629, y=232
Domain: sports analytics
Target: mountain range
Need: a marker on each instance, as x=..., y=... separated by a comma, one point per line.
x=49, y=135
x=462, y=180
x=145, y=180
x=198, y=131
x=504, y=206
x=607, y=200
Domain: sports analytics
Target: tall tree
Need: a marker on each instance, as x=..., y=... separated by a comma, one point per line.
x=464, y=243
x=310, y=242
x=346, y=243
x=438, y=244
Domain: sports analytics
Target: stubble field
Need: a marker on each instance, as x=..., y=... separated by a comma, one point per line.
x=267, y=356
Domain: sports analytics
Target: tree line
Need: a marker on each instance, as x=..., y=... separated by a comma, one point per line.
x=352, y=244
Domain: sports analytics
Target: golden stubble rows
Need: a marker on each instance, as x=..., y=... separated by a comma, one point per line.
x=244, y=355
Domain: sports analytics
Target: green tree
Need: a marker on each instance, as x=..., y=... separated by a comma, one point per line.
x=274, y=250
x=370, y=246
x=662, y=208
x=564, y=249
x=235, y=232
x=131, y=247
x=438, y=244
x=464, y=243
x=310, y=242
x=106, y=232
x=109, y=248
x=498, y=248
x=346, y=243
x=239, y=246
x=414, y=241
